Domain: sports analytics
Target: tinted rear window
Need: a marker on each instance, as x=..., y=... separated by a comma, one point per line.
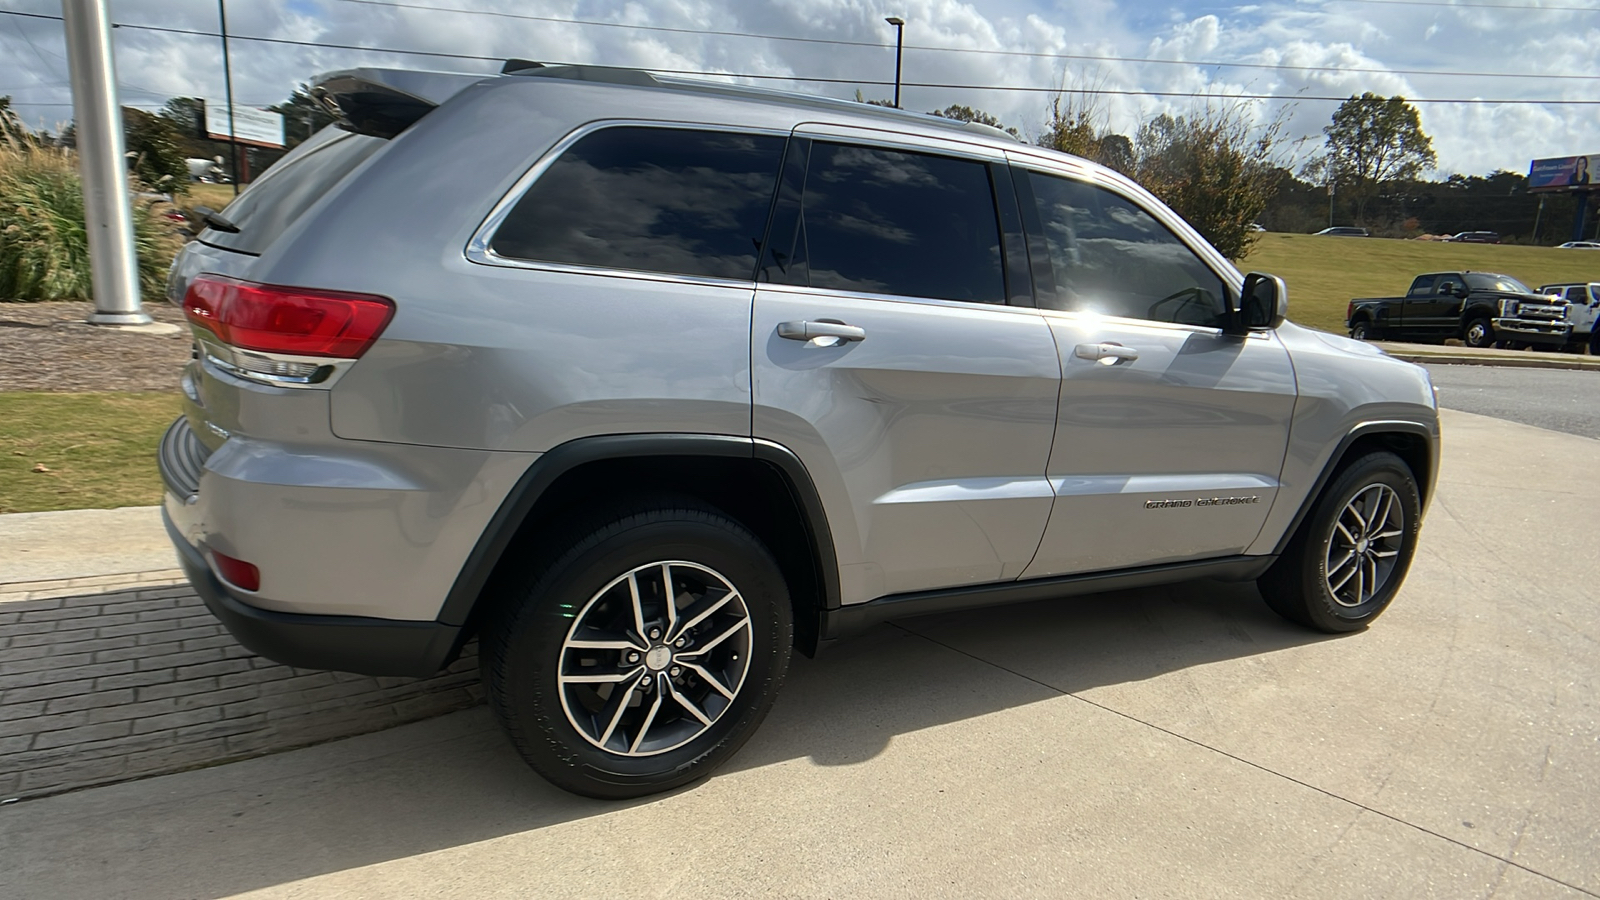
x=678, y=201
x=288, y=189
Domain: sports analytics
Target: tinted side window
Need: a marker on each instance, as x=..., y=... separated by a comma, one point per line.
x=887, y=222
x=1423, y=286
x=678, y=201
x=1113, y=258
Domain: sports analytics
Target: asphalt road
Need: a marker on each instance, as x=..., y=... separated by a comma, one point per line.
x=1557, y=399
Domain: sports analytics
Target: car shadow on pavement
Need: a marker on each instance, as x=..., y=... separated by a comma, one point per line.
x=455, y=780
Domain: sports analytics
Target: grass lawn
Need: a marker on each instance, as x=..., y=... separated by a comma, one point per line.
x=99, y=449
x=1325, y=273
x=215, y=196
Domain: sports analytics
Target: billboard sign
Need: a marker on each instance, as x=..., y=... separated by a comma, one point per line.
x=252, y=126
x=1565, y=173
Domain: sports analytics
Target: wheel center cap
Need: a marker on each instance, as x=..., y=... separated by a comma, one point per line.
x=1361, y=545
x=658, y=657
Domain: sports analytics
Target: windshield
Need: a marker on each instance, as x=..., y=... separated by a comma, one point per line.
x=1480, y=281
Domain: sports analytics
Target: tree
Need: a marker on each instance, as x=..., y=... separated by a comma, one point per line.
x=158, y=160
x=1372, y=141
x=12, y=131
x=302, y=116
x=1214, y=168
x=968, y=114
x=1075, y=126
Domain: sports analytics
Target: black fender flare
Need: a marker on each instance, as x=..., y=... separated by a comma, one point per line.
x=556, y=462
x=1403, y=426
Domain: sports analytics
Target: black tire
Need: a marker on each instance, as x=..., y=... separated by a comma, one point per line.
x=1297, y=586
x=1479, y=332
x=1361, y=330
x=525, y=647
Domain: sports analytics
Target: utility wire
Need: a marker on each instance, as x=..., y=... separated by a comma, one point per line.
x=1468, y=101
x=1204, y=64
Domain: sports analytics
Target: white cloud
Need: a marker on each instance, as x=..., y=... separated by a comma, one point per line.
x=1344, y=36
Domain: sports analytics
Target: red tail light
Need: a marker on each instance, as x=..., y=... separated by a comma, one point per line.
x=1349, y=310
x=237, y=572
x=289, y=320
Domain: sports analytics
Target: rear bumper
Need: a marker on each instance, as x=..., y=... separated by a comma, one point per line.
x=342, y=643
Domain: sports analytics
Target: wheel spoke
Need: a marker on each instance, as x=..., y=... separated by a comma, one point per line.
x=1384, y=554
x=1349, y=539
x=644, y=727
x=613, y=644
x=671, y=598
x=1355, y=513
x=1334, y=588
x=618, y=704
x=705, y=647
x=707, y=677
x=638, y=606
x=1361, y=582
x=603, y=678
x=1349, y=555
x=1385, y=535
x=1382, y=518
x=711, y=606
x=688, y=706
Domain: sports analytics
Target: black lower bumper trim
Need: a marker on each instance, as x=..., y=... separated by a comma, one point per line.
x=342, y=643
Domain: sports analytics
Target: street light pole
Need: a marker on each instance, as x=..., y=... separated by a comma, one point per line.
x=108, y=212
x=227, y=86
x=899, y=52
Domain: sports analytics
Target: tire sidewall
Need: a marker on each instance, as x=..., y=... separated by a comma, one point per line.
x=531, y=698
x=1488, y=333
x=1387, y=469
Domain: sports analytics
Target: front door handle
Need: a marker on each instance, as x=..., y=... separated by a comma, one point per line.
x=1106, y=353
x=820, y=328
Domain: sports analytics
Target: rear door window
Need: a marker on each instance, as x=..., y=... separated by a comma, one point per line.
x=674, y=201
x=892, y=222
x=288, y=189
x=1423, y=286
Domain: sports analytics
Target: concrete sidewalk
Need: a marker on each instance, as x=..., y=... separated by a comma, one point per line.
x=1168, y=742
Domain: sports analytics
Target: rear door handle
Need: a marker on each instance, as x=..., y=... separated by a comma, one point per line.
x=817, y=328
x=1106, y=353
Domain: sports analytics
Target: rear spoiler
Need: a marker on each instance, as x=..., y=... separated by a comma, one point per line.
x=384, y=102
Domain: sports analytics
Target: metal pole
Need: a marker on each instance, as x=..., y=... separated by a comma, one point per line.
x=899, y=52
x=1536, y=217
x=107, y=209
x=227, y=84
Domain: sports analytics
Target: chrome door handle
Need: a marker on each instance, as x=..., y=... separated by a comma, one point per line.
x=818, y=328
x=1106, y=353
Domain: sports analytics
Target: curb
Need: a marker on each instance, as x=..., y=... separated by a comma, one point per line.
x=1512, y=359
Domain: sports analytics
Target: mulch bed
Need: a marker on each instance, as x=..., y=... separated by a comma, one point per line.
x=51, y=347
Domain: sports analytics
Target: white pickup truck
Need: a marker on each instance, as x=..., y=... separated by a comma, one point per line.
x=1582, y=309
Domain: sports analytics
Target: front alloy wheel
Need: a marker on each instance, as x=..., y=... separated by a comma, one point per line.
x=1479, y=333
x=1350, y=555
x=1364, y=546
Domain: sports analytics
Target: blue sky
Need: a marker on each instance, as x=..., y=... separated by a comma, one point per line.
x=1330, y=48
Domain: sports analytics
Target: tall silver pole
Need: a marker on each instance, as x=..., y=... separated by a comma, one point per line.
x=102, y=163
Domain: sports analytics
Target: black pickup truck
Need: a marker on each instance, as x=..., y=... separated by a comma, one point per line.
x=1445, y=305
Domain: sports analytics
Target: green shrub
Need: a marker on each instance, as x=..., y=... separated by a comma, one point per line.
x=44, y=249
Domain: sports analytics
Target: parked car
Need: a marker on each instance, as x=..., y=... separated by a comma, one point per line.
x=591, y=394
x=1582, y=308
x=1474, y=237
x=1579, y=245
x=1344, y=231
x=1465, y=305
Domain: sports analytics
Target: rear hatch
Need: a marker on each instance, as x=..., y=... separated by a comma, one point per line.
x=259, y=346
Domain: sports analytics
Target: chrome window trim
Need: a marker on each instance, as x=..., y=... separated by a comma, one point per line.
x=883, y=139
x=809, y=291
x=478, y=247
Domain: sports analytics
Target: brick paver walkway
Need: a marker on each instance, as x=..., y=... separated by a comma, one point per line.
x=103, y=687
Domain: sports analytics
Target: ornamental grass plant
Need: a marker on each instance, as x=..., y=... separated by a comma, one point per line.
x=44, y=249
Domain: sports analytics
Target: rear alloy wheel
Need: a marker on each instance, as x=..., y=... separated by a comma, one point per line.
x=645, y=655
x=1351, y=554
x=1361, y=330
x=1478, y=333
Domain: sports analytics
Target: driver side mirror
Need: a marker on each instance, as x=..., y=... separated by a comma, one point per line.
x=1265, y=301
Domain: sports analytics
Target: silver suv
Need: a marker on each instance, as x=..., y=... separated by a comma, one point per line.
x=644, y=382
